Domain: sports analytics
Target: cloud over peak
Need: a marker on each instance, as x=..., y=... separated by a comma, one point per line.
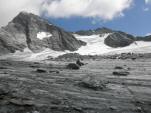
x=103, y=9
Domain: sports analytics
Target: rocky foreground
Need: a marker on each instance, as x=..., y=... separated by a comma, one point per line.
x=100, y=86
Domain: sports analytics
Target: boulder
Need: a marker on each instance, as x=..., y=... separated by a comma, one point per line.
x=93, y=83
x=73, y=66
x=119, y=39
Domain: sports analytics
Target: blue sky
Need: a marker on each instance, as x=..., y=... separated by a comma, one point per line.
x=136, y=21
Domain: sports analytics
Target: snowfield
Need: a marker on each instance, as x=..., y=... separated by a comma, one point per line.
x=95, y=46
x=28, y=55
x=42, y=35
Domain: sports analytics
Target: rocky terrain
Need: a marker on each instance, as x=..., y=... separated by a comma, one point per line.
x=30, y=32
x=100, y=86
x=72, y=82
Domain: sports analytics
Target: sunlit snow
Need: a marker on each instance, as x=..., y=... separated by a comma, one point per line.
x=28, y=55
x=95, y=46
x=42, y=35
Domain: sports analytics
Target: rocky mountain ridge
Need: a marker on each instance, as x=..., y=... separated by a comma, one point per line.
x=30, y=31
x=116, y=38
x=22, y=32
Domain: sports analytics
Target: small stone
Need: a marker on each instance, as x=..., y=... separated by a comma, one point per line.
x=118, y=67
x=120, y=73
x=113, y=107
x=41, y=71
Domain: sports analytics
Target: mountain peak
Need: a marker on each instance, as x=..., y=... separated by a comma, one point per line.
x=95, y=31
x=24, y=13
x=103, y=30
x=23, y=31
x=25, y=18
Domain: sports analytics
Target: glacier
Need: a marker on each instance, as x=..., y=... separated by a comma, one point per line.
x=95, y=46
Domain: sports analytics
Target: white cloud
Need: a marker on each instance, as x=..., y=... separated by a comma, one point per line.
x=146, y=9
x=103, y=9
x=10, y=8
x=148, y=1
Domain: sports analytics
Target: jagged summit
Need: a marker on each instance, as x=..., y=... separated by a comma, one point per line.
x=95, y=31
x=25, y=16
x=27, y=30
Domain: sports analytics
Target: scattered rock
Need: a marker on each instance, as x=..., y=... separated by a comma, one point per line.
x=118, y=67
x=34, y=66
x=128, y=68
x=93, y=83
x=56, y=101
x=113, y=107
x=4, y=90
x=21, y=102
x=79, y=62
x=73, y=66
x=121, y=73
x=3, y=67
x=41, y=70
x=133, y=58
x=54, y=71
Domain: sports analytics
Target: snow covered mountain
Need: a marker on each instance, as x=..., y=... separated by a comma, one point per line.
x=96, y=46
x=27, y=30
x=29, y=37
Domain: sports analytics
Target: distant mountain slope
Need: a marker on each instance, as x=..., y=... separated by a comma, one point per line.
x=116, y=38
x=94, y=32
x=27, y=30
x=96, y=46
x=145, y=38
x=30, y=37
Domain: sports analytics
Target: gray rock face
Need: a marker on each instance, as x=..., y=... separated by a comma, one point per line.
x=119, y=39
x=94, y=32
x=22, y=31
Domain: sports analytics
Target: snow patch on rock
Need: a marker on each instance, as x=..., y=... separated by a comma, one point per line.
x=42, y=35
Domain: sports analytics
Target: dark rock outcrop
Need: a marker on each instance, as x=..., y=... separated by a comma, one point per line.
x=22, y=32
x=119, y=39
